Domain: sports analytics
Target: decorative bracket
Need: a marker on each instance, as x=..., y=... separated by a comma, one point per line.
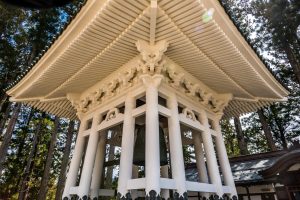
x=112, y=114
x=151, y=61
x=189, y=114
x=150, y=64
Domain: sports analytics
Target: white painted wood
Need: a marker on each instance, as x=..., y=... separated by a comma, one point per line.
x=98, y=167
x=228, y=190
x=213, y=132
x=167, y=183
x=89, y=160
x=164, y=111
x=153, y=12
x=73, y=190
x=200, y=158
x=114, y=101
x=177, y=162
x=200, y=187
x=139, y=111
x=86, y=132
x=139, y=183
x=190, y=123
x=75, y=163
x=113, y=122
x=223, y=159
x=152, y=160
x=185, y=100
x=213, y=169
x=100, y=34
x=125, y=173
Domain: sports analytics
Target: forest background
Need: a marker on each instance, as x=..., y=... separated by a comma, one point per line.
x=35, y=147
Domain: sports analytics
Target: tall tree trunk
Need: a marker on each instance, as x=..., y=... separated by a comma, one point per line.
x=8, y=134
x=282, y=134
x=4, y=117
x=64, y=163
x=280, y=127
x=293, y=61
x=267, y=130
x=44, y=183
x=30, y=160
x=25, y=129
x=231, y=146
x=20, y=154
x=3, y=101
x=240, y=137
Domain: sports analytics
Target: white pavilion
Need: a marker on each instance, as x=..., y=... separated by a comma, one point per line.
x=174, y=65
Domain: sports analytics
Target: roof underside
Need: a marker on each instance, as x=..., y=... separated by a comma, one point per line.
x=102, y=38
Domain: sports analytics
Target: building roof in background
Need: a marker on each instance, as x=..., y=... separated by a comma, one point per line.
x=247, y=169
x=253, y=169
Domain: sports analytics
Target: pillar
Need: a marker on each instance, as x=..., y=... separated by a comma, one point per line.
x=212, y=165
x=98, y=167
x=89, y=160
x=200, y=159
x=75, y=163
x=177, y=161
x=152, y=160
x=223, y=159
x=126, y=159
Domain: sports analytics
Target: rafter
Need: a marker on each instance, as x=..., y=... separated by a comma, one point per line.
x=109, y=46
x=203, y=54
x=153, y=15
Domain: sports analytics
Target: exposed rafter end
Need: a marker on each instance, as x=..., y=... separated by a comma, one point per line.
x=13, y=99
x=53, y=99
x=257, y=99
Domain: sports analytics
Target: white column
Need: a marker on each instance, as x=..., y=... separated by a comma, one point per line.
x=223, y=159
x=200, y=159
x=177, y=161
x=165, y=193
x=75, y=162
x=98, y=167
x=212, y=165
x=89, y=160
x=152, y=160
x=127, y=147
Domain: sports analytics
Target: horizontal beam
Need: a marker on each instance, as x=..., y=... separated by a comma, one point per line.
x=139, y=111
x=139, y=183
x=200, y=187
x=164, y=111
x=113, y=122
x=191, y=123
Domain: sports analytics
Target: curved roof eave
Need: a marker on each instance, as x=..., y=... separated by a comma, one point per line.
x=92, y=7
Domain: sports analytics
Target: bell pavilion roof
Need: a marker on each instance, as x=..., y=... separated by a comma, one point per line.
x=101, y=38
